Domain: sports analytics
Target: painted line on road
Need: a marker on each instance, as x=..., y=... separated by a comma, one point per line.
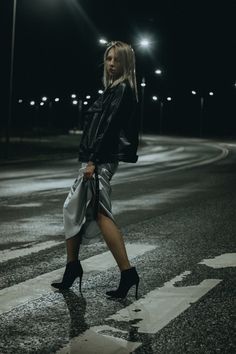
x=93, y=341
x=223, y=261
x=27, y=249
x=32, y=289
x=148, y=315
x=162, y=305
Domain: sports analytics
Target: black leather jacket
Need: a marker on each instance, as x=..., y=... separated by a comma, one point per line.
x=111, y=127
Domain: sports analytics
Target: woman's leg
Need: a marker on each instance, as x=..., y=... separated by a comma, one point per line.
x=114, y=240
x=72, y=248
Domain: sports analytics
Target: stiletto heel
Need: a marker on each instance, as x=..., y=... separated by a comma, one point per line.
x=128, y=278
x=72, y=271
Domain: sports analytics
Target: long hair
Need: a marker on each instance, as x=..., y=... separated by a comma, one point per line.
x=126, y=56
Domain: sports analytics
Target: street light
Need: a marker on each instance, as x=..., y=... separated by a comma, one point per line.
x=158, y=71
x=202, y=101
x=156, y=99
x=161, y=111
x=9, y=118
x=103, y=41
x=144, y=42
x=143, y=85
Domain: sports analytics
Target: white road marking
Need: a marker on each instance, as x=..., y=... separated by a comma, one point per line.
x=222, y=261
x=30, y=248
x=150, y=314
x=162, y=305
x=25, y=205
x=34, y=288
x=105, y=260
x=94, y=342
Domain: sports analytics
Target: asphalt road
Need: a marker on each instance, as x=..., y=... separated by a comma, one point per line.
x=176, y=208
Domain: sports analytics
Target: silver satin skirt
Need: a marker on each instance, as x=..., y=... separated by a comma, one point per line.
x=78, y=209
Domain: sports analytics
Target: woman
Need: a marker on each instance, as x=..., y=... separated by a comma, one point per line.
x=110, y=135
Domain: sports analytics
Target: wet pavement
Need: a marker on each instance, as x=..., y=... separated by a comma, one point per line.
x=176, y=209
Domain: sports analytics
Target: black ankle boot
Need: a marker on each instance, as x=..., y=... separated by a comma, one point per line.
x=72, y=271
x=128, y=278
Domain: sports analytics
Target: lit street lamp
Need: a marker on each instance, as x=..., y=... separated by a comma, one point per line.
x=158, y=71
x=143, y=85
x=156, y=99
x=202, y=101
x=161, y=111
x=103, y=41
x=144, y=43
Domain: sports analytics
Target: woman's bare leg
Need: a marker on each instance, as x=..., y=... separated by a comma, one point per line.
x=72, y=247
x=114, y=240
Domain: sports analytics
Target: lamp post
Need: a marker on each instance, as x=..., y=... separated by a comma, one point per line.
x=161, y=106
x=9, y=118
x=202, y=102
x=161, y=115
x=143, y=85
x=143, y=43
x=161, y=110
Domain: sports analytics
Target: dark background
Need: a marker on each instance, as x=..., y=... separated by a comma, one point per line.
x=57, y=53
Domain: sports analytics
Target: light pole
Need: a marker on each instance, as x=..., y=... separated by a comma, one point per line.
x=161, y=110
x=9, y=118
x=202, y=102
x=143, y=43
x=161, y=106
x=161, y=115
x=143, y=85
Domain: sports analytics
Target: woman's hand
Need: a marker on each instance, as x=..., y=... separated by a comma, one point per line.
x=89, y=170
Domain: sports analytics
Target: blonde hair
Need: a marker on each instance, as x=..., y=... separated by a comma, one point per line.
x=126, y=56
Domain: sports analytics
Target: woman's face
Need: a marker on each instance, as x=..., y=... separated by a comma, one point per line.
x=113, y=65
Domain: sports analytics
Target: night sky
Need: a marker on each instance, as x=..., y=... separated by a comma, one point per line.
x=57, y=50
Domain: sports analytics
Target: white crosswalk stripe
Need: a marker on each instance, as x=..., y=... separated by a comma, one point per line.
x=32, y=289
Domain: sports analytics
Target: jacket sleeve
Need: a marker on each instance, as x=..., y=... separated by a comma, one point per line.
x=111, y=116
